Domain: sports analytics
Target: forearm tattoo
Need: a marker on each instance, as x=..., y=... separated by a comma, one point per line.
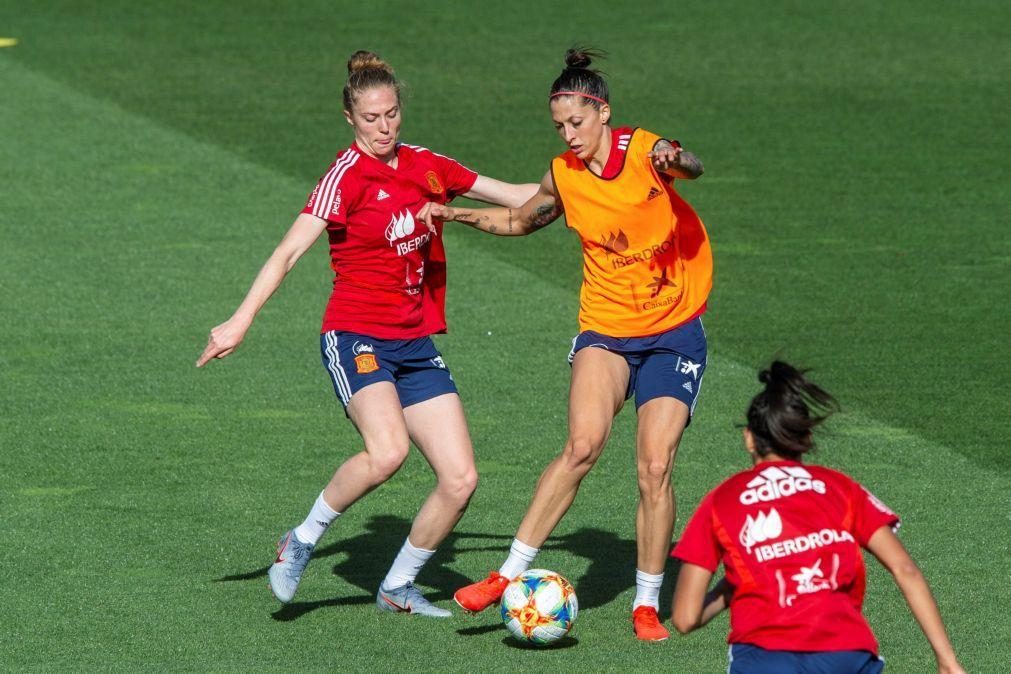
x=544, y=215
x=690, y=164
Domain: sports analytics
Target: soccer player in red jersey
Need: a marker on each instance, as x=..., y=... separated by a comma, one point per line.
x=647, y=272
x=387, y=300
x=790, y=537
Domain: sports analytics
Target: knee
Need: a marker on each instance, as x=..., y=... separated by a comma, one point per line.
x=654, y=473
x=581, y=452
x=386, y=459
x=459, y=488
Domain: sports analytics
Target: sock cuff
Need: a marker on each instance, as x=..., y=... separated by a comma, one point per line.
x=648, y=579
x=522, y=549
x=325, y=507
x=411, y=547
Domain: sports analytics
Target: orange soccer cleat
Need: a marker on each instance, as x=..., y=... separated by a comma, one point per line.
x=482, y=594
x=647, y=625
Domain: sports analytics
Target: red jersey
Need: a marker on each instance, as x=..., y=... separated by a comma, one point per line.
x=390, y=271
x=789, y=537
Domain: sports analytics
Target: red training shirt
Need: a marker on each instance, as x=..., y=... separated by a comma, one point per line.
x=390, y=271
x=789, y=538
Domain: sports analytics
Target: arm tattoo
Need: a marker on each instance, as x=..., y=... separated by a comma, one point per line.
x=544, y=215
x=690, y=164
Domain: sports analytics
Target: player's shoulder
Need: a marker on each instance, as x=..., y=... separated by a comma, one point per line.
x=421, y=153
x=643, y=139
x=345, y=165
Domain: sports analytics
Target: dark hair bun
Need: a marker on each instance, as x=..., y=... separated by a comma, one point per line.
x=578, y=58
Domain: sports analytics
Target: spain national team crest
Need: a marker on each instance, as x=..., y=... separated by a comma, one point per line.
x=366, y=363
x=433, y=182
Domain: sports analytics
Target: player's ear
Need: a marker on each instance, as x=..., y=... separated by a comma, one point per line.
x=605, y=113
x=347, y=116
x=749, y=441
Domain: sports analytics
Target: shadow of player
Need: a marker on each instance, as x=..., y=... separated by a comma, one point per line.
x=366, y=558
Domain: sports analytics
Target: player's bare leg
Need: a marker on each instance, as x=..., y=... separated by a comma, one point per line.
x=439, y=429
x=596, y=394
x=661, y=424
x=376, y=412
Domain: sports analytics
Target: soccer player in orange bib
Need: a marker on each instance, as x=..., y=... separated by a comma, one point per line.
x=647, y=272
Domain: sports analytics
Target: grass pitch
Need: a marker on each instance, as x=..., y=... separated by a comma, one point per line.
x=855, y=191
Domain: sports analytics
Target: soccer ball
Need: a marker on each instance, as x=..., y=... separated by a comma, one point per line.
x=539, y=607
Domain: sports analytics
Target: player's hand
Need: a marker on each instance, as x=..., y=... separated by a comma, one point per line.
x=224, y=339
x=954, y=668
x=431, y=212
x=665, y=156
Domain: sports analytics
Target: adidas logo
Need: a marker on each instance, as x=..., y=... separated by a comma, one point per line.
x=382, y=195
x=653, y=194
x=687, y=386
x=776, y=482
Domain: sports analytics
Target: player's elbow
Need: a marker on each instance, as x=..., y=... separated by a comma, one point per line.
x=908, y=572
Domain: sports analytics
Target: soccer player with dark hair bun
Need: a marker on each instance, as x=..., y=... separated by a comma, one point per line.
x=789, y=537
x=647, y=272
x=387, y=300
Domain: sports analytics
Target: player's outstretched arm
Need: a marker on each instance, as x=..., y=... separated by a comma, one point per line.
x=693, y=607
x=226, y=337
x=674, y=161
x=538, y=212
x=496, y=192
x=889, y=550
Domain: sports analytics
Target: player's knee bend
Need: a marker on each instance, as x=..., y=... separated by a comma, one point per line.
x=459, y=488
x=581, y=452
x=385, y=461
x=654, y=474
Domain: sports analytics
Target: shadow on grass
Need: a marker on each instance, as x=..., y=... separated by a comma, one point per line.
x=368, y=555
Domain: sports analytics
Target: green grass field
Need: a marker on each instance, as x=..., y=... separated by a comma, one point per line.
x=856, y=192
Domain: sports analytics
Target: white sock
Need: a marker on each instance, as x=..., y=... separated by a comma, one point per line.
x=520, y=557
x=316, y=524
x=407, y=565
x=647, y=589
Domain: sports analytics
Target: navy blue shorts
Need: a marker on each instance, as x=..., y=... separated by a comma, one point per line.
x=748, y=659
x=670, y=364
x=414, y=366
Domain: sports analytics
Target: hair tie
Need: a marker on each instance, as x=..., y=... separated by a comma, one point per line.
x=578, y=93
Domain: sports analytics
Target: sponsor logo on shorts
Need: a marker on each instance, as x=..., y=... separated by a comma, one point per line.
x=761, y=528
x=366, y=363
x=433, y=182
x=776, y=482
x=437, y=362
x=362, y=348
x=685, y=366
x=688, y=387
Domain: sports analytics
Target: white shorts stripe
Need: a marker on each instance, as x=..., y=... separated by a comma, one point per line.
x=330, y=182
x=333, y=365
